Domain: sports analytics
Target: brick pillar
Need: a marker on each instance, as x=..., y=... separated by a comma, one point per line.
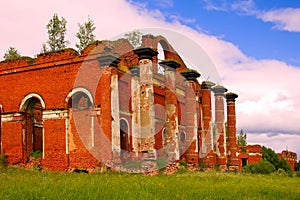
x=191, y=127
x=171, y=125
x=209, y=157
x=147, y=114
x=135, y=108
x=231, y=126
x=219, y=138
x=110, y=107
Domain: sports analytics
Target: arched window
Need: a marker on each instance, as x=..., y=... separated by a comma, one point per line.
x=79, y=98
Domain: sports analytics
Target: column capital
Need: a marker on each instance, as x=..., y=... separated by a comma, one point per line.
x=108, y=60
x=207, y=85
x=230, y=97
x=190, y=74
x=170, y=65
x=219, y=90
x=145, y=53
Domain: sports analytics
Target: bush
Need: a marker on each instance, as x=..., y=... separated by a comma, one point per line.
x=182, y=163
x=270, y=155
x=263, y=167
x=202, y=166
x=298, y=173
x=3, y=159
x=36, y=154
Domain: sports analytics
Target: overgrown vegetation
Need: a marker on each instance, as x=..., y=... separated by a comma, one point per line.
x=270, y=163
x=3, y=159
x=56, y=29
x=135, y=38
x=242, y=138
x=36, y=154
x=11, y=54
x=30, y=184
x=85, y=34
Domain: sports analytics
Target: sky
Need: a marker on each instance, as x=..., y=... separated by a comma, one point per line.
x=254, y=45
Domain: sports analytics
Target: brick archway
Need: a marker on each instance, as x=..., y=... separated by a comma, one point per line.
x=32, y=107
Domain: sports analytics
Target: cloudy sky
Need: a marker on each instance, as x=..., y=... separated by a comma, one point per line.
x=253, y=44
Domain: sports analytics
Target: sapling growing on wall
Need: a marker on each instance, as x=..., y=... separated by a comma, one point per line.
x=56, y=34
x=11, y=54
x=85, y=34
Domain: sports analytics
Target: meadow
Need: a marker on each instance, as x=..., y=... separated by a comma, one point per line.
x=32, y=184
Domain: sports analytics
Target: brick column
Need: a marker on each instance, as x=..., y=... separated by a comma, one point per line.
x=231, y=128
x=191, y=127
x=111, y=109
x=171, y=125
x=147, y=114
x=135, y=108
x=219, y=138
x=209, y=158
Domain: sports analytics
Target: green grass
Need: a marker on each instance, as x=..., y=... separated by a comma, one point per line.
x=30, y=184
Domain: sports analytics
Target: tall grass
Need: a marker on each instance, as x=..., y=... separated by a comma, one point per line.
x=27, y=184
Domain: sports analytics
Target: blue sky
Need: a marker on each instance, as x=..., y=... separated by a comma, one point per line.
x=243, y=28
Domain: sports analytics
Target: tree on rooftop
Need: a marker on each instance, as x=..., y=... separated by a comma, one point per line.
x=242, y=138
x=85, y=34
x=56, y=34
x=134, y=37
x=11, y=54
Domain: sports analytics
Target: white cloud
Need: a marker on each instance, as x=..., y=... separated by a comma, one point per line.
x=245, y=7
x=164, y=3
x=284, y=19
x=277, y=142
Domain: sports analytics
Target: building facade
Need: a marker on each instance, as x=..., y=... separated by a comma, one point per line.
x=111, y=104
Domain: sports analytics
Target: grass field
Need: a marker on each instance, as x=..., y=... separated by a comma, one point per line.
x=30, y=184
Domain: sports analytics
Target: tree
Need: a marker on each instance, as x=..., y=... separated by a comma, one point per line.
x=11, y=54
x=242, y=138
x=270, y=155
x=85, y=34
x=56, y=34
x=134, y=37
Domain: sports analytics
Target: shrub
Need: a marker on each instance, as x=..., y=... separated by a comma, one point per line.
x=3, y=159
x=182, y=163
x=202, y=166
x=36, y=154
x=298, y=173
x=244, y=149
x=217, y=167
x=263, y=167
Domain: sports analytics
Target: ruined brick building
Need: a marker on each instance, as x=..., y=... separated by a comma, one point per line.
x=112, y=104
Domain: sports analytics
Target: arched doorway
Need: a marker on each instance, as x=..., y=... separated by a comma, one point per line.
x=32, y=107
x=124, y=140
